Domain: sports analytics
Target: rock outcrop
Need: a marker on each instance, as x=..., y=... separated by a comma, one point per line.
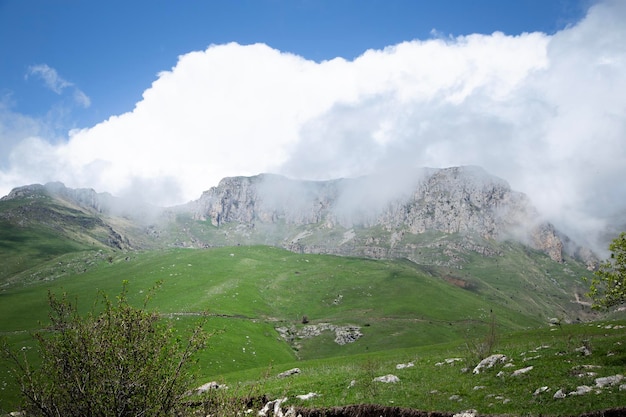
x=460, y=200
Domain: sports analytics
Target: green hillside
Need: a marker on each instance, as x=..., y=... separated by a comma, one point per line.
x=39, y=228
x=396, y=302
x=249, y=292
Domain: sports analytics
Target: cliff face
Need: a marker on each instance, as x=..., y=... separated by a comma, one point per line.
x=461, y=200
x=266, y=198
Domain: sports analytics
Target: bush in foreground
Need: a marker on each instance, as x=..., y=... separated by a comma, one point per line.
x=123, y=361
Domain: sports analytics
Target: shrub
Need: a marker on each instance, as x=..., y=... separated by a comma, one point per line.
x=123, y=361
x=479, y=349
x=608, y=287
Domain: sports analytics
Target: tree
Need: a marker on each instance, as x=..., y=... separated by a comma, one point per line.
x=608, y=287
x=123, y=361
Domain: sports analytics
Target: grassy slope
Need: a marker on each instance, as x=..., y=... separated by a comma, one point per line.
x=526, y=280
x=25, y=247
x=431, y=385
x=248, y=291
x=251, y=290
x=267, y=284
x=38, y=229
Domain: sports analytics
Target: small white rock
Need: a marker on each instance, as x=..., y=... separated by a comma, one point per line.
x=467, y=413
x=387, y=379
x=581, y=390
x=609, y=380
x=489, y=362
x=405, y=365
x=522, y=371
x=584, y=350
x=290, y=372
x=307, y=396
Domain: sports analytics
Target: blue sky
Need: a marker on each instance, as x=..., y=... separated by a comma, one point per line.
x=112, y=50
x=160, y=99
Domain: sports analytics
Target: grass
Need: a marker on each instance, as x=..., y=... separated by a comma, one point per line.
x=406, y=313
x=265, y=284
x=36, y=230
x=23, y=248
x=429, y=386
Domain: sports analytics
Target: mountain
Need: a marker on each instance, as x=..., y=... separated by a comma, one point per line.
x=380, y=216
x=376, y=216
x=461, y=224
x=41, y=222
x=456, y=219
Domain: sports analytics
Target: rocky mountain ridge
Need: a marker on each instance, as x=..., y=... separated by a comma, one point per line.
x=460, y=200
x=383, y=216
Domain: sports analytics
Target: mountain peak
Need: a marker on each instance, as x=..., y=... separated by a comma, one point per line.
x=26, y=191
x=457, y=200
x=386, y=215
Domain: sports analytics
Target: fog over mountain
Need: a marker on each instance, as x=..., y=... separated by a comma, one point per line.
x=544, y=112
x=441, y=219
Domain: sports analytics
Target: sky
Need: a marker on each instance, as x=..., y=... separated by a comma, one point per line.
x=160, y=99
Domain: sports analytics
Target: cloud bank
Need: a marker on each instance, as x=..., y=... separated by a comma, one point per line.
x=546, y=113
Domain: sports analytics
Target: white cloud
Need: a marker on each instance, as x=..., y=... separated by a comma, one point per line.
x=547, y=113
x=57, y=84
x=13, y=128
x=50, y=77
x=82, y=98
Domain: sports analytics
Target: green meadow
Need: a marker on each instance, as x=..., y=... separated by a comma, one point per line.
x=405, y=312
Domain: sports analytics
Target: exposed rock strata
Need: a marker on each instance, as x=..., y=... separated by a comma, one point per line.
x=460, y=200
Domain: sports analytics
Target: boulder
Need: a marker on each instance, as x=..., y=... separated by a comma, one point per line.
x=209, y=386
x=581, y=390
x=489, y=362
x=466, y=413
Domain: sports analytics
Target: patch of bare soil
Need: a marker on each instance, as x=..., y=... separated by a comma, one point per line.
x=373, y=410
x=368, y=410
x=612, y=412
